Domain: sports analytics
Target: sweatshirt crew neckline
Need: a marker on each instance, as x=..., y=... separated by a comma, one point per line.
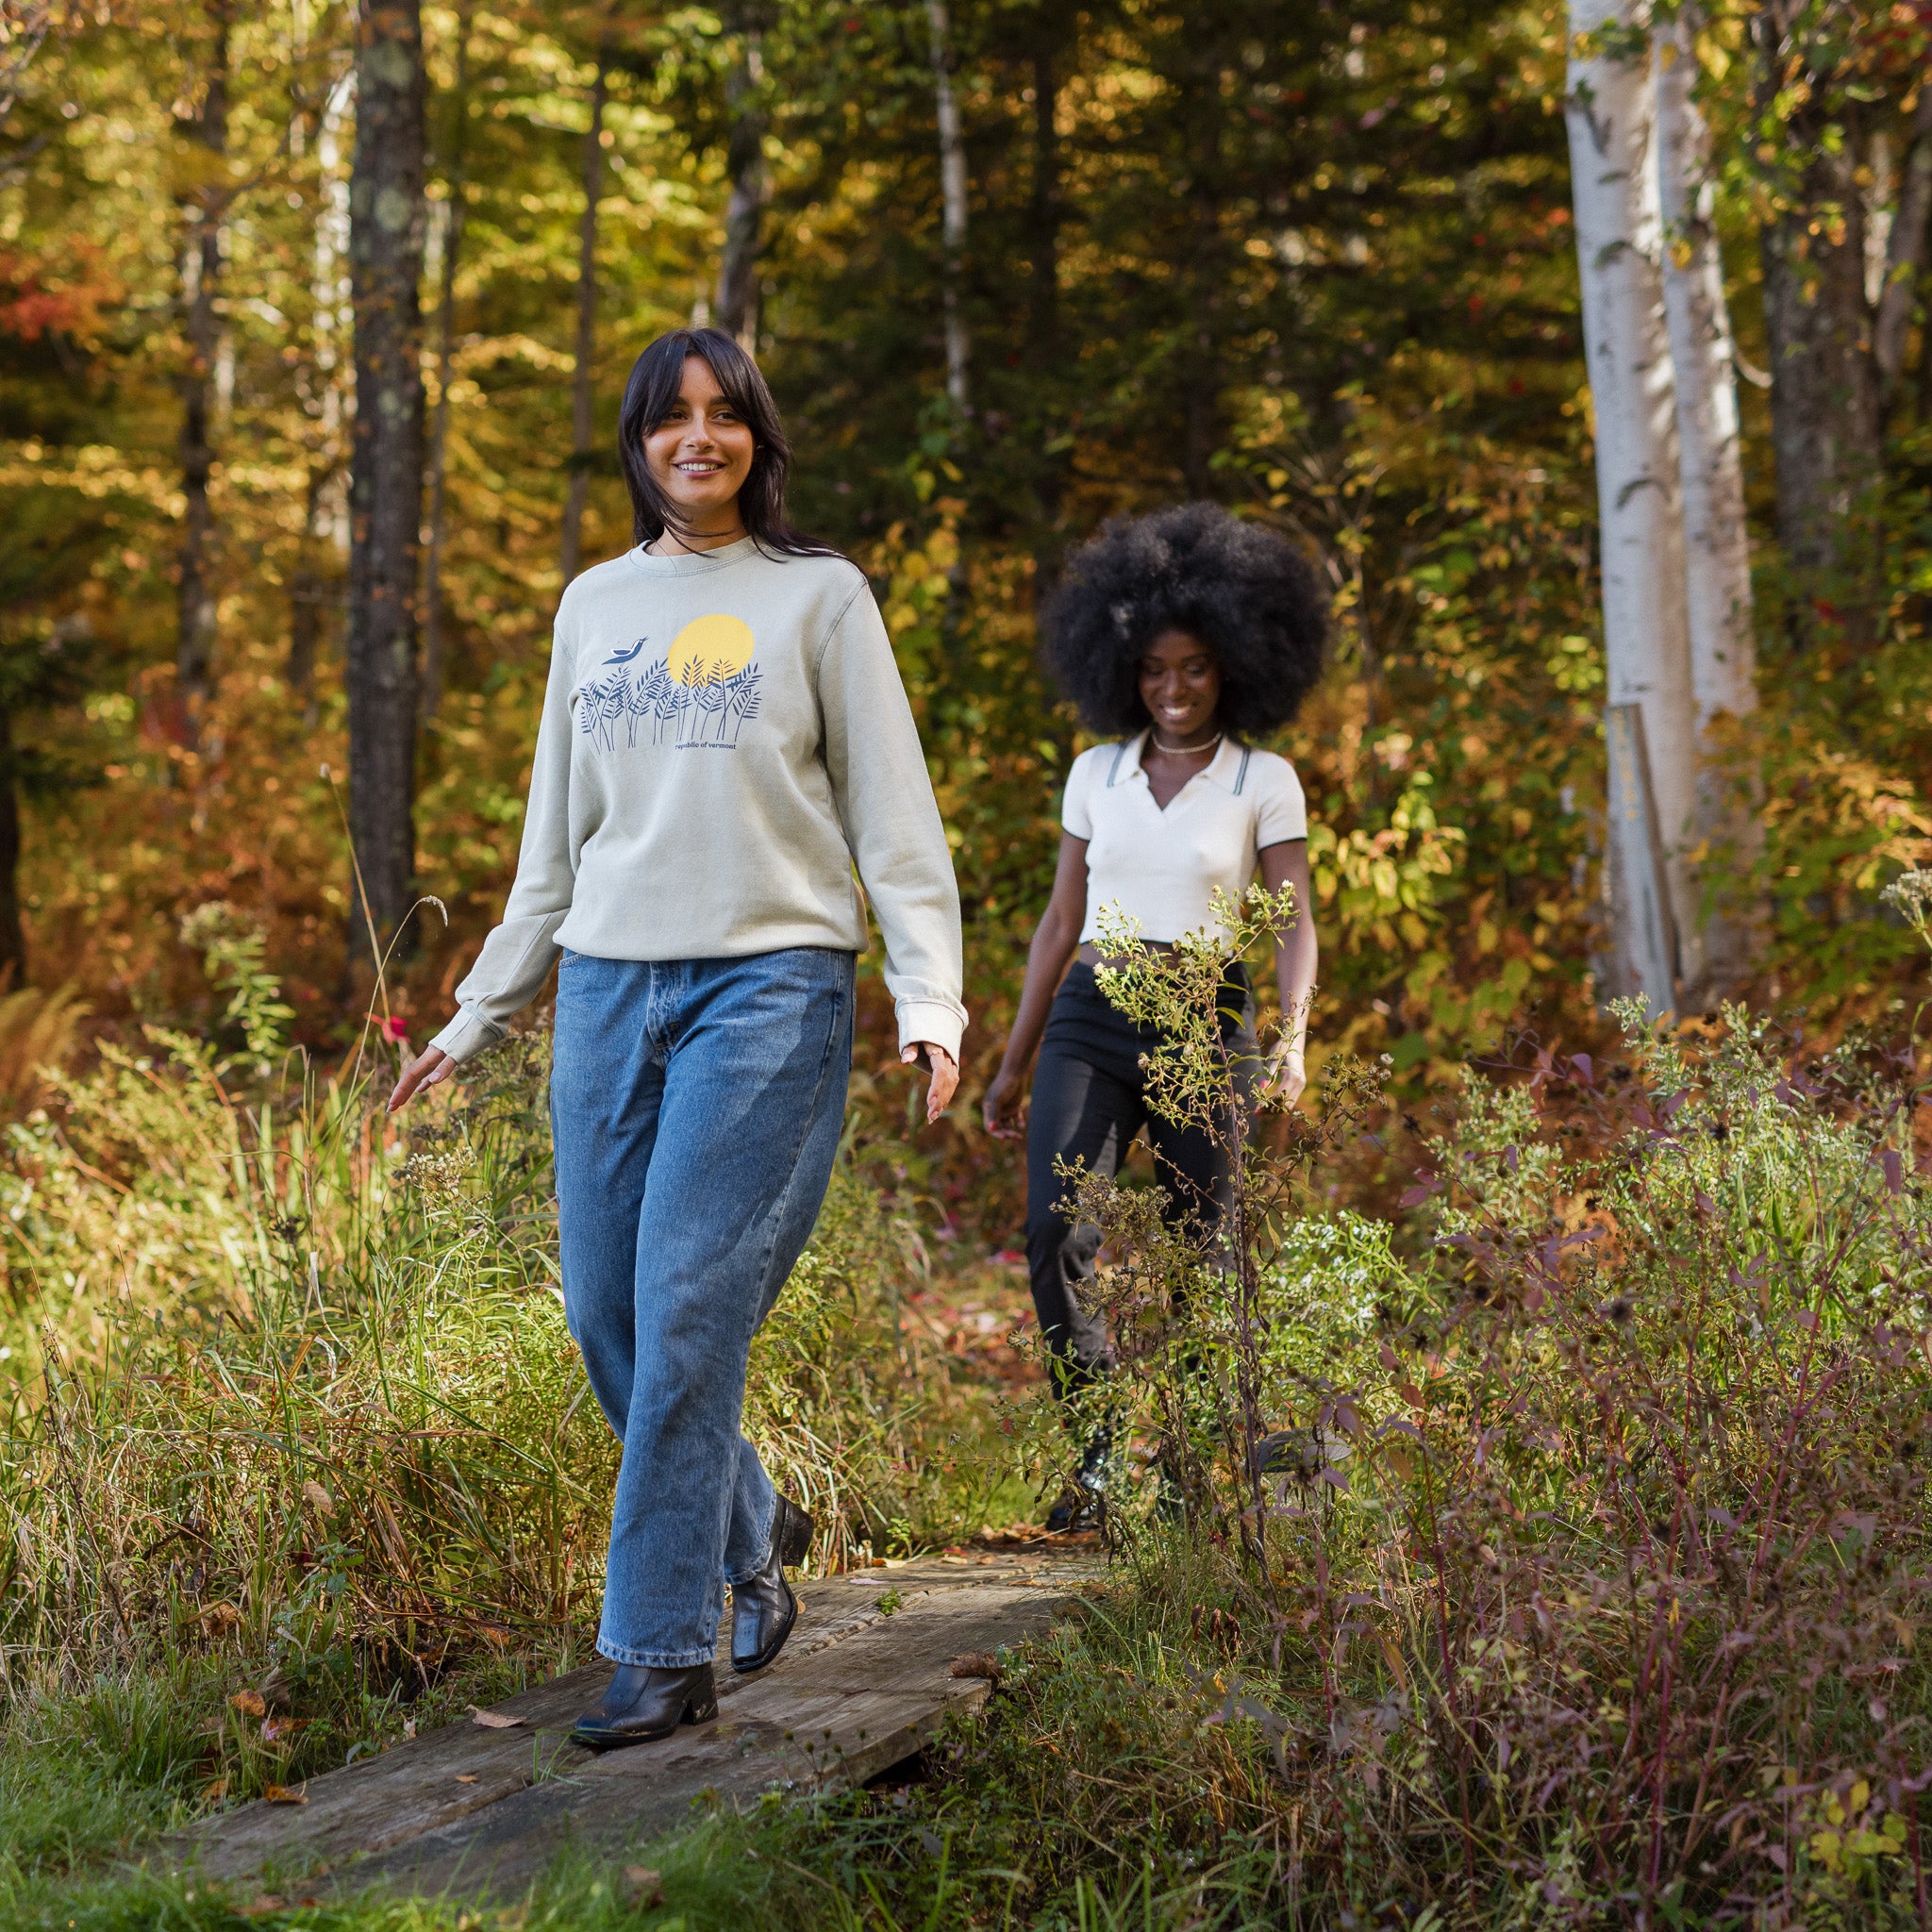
x=692, y=562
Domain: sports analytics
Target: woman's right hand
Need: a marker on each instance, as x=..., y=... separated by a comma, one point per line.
x=1001, y=1105
x=430, y=1068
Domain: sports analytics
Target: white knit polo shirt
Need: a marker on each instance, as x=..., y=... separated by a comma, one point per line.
x=1161, y=868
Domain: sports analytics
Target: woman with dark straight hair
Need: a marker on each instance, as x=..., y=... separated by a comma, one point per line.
x=724, y=740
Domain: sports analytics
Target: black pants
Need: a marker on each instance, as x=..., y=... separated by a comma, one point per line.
x=1088, y=1105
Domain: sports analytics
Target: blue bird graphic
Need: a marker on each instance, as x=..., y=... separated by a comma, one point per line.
x=624, y=656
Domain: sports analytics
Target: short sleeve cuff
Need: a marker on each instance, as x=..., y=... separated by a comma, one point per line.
x=467, y=1035
x=929, y=1020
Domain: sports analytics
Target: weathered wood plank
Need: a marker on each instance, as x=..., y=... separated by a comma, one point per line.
x=843, y=1718
x=807, y=1718
x=413, y=1788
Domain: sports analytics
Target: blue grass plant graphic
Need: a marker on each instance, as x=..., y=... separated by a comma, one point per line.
x=712, y=709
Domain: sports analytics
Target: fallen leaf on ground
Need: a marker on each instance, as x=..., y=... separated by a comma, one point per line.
x=276, y=1729
x=978, y=1663
x=493, y=1720
x=249, y=1703
x=643, y=1886
x=314, y=1493
x=466, y=1777
x=214, y=1790
x=285, y=1794
x=267, y=1902
x=409, y=1727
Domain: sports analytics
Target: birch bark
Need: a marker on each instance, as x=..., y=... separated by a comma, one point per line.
x=1717, y=551
x=953, y=200
x=1611, y=114
x=1905, y=253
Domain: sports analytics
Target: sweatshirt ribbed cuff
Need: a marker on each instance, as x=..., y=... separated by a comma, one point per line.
x=928, y=1019
x=467, y=1035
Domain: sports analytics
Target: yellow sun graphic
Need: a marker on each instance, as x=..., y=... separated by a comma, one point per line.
x=709, y=649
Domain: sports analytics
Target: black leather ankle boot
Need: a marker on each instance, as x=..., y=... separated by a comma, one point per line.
x=643, y=1702
x=763, y=1607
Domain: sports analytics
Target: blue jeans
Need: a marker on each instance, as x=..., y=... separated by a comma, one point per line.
x=696, y=1107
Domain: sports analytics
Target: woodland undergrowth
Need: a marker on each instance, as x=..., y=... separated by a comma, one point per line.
x=299, y=1447
x=1553, y=1554
x=1562, y=1563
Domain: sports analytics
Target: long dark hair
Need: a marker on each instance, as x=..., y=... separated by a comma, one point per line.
x=656, y=378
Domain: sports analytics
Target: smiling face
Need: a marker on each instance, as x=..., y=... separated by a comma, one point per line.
x=702, y=452
x=1180, y=685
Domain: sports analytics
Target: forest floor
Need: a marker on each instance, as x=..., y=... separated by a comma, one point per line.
x=1564, y=1569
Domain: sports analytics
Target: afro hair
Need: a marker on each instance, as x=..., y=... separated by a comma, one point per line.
x=1253, y=597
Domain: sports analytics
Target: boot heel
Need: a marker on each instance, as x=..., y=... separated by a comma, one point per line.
x=798, y=1532
x=700, y=1712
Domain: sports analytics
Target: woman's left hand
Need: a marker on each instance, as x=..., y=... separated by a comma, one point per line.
x=1287, y=1076
x=945, y=1075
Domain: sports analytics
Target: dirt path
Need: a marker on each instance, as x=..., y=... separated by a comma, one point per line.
x=865, y=1680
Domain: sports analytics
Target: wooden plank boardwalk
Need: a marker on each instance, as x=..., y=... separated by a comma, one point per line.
x=865, y=1680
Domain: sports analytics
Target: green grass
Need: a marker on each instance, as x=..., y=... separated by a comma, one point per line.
x=1609, y=1611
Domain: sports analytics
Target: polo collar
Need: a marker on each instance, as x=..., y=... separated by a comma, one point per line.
x=1223, y=770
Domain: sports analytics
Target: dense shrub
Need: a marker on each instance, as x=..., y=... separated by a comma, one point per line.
x=1572, y=1570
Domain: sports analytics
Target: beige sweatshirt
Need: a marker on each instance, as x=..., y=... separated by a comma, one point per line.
x=723, y=737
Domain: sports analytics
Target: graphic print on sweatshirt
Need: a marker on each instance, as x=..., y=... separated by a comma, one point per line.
x=696, y=696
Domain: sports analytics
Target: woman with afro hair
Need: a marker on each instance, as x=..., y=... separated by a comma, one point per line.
x=1181, y=637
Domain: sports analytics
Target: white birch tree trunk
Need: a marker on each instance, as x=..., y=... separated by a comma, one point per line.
x=1723, y=657
x=1611, y=113
x=953, y=200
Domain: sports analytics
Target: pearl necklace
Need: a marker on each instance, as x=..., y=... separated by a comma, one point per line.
x=1187, y=750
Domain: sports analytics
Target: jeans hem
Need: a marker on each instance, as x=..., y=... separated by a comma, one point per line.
x=771, y=1529
x=654, y=1660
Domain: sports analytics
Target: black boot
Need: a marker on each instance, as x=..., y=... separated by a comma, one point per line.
x=643, y=1702
x=763, y=1607
x=1084, y=1505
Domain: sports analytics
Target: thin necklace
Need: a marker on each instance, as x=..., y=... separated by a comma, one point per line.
x=1183, y=750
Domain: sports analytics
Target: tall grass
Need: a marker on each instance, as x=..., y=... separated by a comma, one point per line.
x=292, y=1391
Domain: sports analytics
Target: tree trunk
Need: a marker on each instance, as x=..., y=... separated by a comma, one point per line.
x=738, y=272
x=953, y=201
x=1610, y=115
x=457, y=206
x=1824, y=413
x=1905, y=253
x=1723, y=657
x=386, y=223
x=201, y=276
x=315, y=587
x=1201, y=409
x=1044, y=303
x=581, y=396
